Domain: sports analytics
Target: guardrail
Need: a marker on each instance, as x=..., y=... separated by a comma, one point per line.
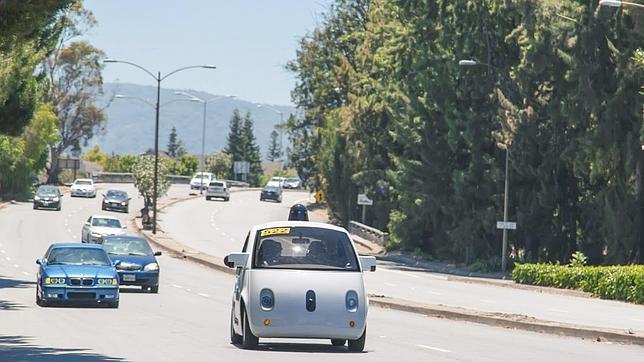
x=128, y=177
x=367, y=232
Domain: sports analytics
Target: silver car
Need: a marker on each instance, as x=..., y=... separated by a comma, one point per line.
x=83, y=187
x=218, y=189
x=99, y=226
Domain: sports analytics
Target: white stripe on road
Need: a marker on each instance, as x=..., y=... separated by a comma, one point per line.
x=25, y=273
x=439, y=277
x=204, y=295
x=3, y=252
x=390, y=284
x=433, y=348
x=400, y=272
x=8, y=258
x=177, y=286
x=16, y=266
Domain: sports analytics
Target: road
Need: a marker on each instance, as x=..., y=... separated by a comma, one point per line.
x=217, y=228
x=188, y=319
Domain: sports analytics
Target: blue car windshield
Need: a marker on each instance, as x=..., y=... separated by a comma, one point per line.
x=125, y=246
x=120, y=195
x=78, y=256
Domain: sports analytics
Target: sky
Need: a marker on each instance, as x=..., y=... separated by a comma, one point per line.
x=250, y=42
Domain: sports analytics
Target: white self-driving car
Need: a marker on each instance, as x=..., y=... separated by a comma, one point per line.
x=299, y=279
x=83, y=187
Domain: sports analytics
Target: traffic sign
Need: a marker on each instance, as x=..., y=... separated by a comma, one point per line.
x=364, y=200
x=241, y=167
x=511, y=225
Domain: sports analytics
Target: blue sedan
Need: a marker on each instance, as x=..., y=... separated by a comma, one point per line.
x=135, y=261
x=76, y=273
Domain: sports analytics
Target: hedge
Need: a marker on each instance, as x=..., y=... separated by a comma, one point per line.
x=608, y=282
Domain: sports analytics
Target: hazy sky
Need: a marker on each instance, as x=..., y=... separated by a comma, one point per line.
x=249, y=41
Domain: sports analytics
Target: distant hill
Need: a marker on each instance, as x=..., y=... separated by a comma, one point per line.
x=130, y=123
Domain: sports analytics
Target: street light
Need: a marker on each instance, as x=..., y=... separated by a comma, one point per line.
x=194, y=98
x=281, y=125
x=471, y=62
x=618, y=3
x=158, y=78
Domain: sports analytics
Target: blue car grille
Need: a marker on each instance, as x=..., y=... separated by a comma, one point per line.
x=82, y=281
x=81, y=295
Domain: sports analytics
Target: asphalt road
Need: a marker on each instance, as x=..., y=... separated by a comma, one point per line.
x=188, y=319
x=217, y=228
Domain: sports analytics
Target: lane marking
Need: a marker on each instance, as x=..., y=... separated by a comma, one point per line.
x=8, y=258
x=433, y=293
x=433, y=348
x=16, y=266
x=188, y=290
x=25, y=273
x=3, y=252
x=177, y=286
x=204, y=295
x=558, y=310
x=437, y=277
x=638, y=320
x=400, y=272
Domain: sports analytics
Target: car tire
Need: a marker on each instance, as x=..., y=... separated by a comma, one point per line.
x=207, y=198
x=39, y=301
x=249, y=340
x=154, y=289
x=357, y=345
x=234, y=337
x=58, y=209
x=338, y=342
x=35, y=207
x=226, y=198
x=114, y=305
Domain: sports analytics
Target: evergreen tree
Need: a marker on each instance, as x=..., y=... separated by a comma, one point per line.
x=274, y=150
x=234, y=145
x=250, y=151
x=176, y=148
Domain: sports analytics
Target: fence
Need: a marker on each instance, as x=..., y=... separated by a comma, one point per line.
x=126, y=177
x=367, y=232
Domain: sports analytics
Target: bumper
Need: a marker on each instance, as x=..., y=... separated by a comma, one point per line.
x=309, y=325
x=139, y=278
x=79, y=295
x=115, y=207
x=270, y=197
x=46, y=205
x=77, y=193
x=224, y=195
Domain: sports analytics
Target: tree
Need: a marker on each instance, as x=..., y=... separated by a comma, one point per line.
x=234, y=144
x=72, y=82
x=220, y=164
x=186, y=165
x=274, y=149
x=176, y=148
x=250, y=151
x=95, y=155
x=143, y=171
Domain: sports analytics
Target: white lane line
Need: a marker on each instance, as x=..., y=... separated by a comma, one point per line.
x=487, y=301
x=432, y=293
x=3, y=252
x=25, y=273
x=188, y=290
x=204, y=295
x=400, y=272
x=638, y=320
x=16, y=266
x=8, y=258
x=177, y=286
x=433, y=348
x=74, y=236
x=69, y=230
x=558, y=310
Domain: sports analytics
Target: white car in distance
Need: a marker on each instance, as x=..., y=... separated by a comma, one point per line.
x=299, y=279
x=99, y=226
x=201, y=180
x=83, y=187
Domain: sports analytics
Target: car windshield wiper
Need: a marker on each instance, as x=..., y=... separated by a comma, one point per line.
x=138, y=254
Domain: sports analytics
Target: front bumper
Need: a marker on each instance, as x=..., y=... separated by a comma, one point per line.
x=140, y=278
x=270, y=196
x=47, y=204
x=307, y=325
x=115, y=207
x=66, y=294
x=82, y=193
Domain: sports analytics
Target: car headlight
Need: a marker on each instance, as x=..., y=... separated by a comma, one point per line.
x=96, y=235
x=123, y=203
x=56, y=199
x=37, y=198
x=266, y=299
x=151, y=267
x=54, y=280
x=351, y=301
x=106, y=202
x=107, y=281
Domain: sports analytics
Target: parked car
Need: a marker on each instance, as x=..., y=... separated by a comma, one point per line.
x=83, y=187
x=271, y=193
x=298, y=279
x=116, y=200
x=73, y=273
x=48, y=197
x=277, y=181
x=218, y=189
x=134, y=260
x=292, y=183
x=201, y=180
x=99, y=226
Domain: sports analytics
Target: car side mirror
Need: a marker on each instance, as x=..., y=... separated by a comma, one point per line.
x=116, y=262
x=124, y=228
x=40, y=261
x=157, y=253
x=129, y=198
x=103, y=195
x=236, y=260
x=87, y=223
x=368, y=263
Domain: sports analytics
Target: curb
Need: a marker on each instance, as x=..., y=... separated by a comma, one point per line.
x=515, y=321
x=503, y=320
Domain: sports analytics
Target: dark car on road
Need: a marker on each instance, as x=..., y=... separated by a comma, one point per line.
x=134, y=260
x=116, y=200
x=48, y=197
x=271, y=193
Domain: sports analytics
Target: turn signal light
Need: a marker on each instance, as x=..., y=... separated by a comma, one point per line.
x=352, y=324
x=267, y=322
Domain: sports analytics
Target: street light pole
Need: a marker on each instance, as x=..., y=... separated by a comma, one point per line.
x=158, y=78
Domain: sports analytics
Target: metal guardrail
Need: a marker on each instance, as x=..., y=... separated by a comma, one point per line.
x=127, y=177
x=367, y=232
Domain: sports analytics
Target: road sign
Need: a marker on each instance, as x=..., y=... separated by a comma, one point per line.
x=241, y=167
x=364, y=200
x=69, y=163
x=506, y=225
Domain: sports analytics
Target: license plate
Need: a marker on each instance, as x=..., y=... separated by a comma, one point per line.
x=129, y=277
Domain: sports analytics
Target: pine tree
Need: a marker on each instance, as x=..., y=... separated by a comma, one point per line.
x=274, y=150
x=175, y=146
x=250, y=151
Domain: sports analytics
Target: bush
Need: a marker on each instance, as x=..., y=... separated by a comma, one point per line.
x=608, y=282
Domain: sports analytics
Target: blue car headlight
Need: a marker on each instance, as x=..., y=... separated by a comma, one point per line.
x=266, y=299
x=51, y=281
x=107, y=281
x=151, y=267
x=351, y=301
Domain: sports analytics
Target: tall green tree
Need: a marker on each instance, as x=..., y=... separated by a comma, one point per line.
x=274, y=151
x=250, y=150
x=176, y=148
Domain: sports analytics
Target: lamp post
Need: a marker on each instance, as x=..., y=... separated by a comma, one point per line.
x=504, y=248
x=194, y=98
x=281, y=125
x=158, y=78
x=618, y=3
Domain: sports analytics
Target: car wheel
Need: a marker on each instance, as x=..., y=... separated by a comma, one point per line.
x=114, y=305
x=127, y=210
x=58, y=209
x=39, y=300
x=35, y=207
x=154, y=289
x=207, y=198
x=227, y=199
x=338, y=342
x=234, y=337
x=249, y=340
x=357, y=345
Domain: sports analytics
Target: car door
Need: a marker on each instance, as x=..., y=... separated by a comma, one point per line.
x=240, y=274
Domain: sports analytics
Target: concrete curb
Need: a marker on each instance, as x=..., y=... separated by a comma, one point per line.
x=515, y=321
x=503, y=320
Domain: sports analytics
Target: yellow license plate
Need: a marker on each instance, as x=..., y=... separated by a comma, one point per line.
x=275, y=231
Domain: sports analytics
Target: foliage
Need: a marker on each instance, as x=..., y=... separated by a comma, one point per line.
x=176, y=147
x=608, y=282
x=241, y=146
x=220, y=164
x=119, y=163
x=143, y=170
x=387, y=110
x=578, y=259
x=186, y=165
x=274, y=151
x=95, y=155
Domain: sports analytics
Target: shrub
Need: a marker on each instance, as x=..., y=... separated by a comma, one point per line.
x=608, y=282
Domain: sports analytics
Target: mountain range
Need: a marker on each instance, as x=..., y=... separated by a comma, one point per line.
x=129, y=128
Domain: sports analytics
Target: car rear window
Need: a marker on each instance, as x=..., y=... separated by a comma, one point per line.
x=304, y=248
x=83, y=182
x=217, y=184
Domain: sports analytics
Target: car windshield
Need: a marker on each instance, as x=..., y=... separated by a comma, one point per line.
x=114, y=194
x=272, y=189
x=127, y=246
x=104, y=222
x=78, y=256
x=304, y=248
x=83, y=182
x=202, y=176
x=292, y=179
x=47, y=191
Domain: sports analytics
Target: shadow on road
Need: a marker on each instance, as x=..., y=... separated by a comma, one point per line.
x=19, y=348
x=301, y=348
x=8, y=283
